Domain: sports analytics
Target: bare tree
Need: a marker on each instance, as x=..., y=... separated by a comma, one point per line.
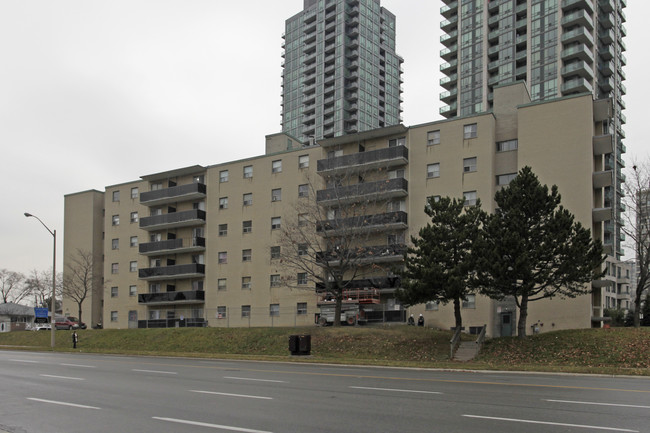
x=334, y=243
x=636, y=228
x=81, y=281
x=12, y=288
x=39, y=285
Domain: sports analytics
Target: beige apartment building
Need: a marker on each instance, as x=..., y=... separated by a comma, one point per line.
x=199, y=245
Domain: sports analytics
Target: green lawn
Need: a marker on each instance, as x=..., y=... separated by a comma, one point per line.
x=608, y=351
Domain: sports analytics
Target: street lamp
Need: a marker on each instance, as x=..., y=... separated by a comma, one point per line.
x=53, y=302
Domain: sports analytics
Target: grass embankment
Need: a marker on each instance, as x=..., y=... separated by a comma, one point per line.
x=609, y=351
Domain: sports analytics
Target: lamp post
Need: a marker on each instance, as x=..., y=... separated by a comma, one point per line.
x=53, y=300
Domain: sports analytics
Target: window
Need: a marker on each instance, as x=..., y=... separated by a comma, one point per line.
x=433, y=170
x=469, y=301
x=154, y=288
x=197, y=285
x=505, y=146
x=223, y=257
x=114, y=292
x=302, y=249
x=248, y=199
x=397, y=142
x=276, y=166
x=248, y=172
x=302, y=278
x=301, y=308
x=246, y=283
x=222, y=284
x=303, y=190
x=134, y=217
x=470, y=131
x=276, y=223
x=275, y=252
x=246, y=311
x=116, y=196
x=133, y=241
x=470, y=198
x=223, y=203
x=247, y=226
x=115, y=244
x=433, y=137
x=155, y=186
x=275, y=280
x=133, y=266
x=221, y=312
x=303, y=161
x=134, y=192
x=133, y=290
x=115, y=220
x=223, y=176
x=432, y=306
x=469, y=165
x=274, y=309
x=115, y=268
x=246, y=255
x=433, y=198
x=223, y=229
x=505, y=179
x=276, y=194
x=113, y=316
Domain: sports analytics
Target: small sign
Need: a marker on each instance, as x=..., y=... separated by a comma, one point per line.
x=40, y=315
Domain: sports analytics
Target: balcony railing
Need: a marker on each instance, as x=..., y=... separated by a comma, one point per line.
x=191, y=191
x=175, y=245
x=188, y=297
x=382, y=283
x=175, y=219
x=383, y=221
x=390, y=156
x=364, y=255
x=172, y=272
x=364, y=191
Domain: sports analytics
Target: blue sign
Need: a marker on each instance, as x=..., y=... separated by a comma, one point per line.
x=40, y=315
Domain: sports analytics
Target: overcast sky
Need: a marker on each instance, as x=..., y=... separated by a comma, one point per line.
x=88, y=90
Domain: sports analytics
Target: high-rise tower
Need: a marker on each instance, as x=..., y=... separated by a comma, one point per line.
x=341, y=73
x=558, y=47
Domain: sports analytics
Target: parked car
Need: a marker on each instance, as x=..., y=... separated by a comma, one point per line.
x=77, y=323
x=41, y=327
x=64, y=323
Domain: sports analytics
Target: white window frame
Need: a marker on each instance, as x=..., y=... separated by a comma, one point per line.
x=246, y=311
x=222, y=257
x=223, y=176
x=133, y=290
x=248, y=172
x=470, y=131
x=223, y=202
x=245, y=228
x=246, y=283
x=276, y=166
x=303, y=161
x=303, y=190
x=274, y=310
x=246, y=255
x=133, y=241
x=223, y=229
x=114, y=291
x=222, y=284
x=276, y=194
x=276, y=223
x=469, y=164
x=433, y=137
x=248, y=199
x=433, y=170
x=274, y=280
x=470, y=198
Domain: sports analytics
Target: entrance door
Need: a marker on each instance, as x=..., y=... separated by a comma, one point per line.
x=506, y=324
x=133, y=319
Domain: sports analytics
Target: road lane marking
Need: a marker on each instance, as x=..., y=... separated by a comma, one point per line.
x=62, y=403
x=62, y=377
x=25, y=360
x=78, y=365
x=154, y=371
x=396, y=390
x=231, y=395
x=601, y=404
x=256, y=380
x=528, y=421
x=205, y=424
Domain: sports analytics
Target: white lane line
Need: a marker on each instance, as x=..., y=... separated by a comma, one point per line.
x=62, y=377
x=62, y=403
x=528, y=421
x=79, y=365
x=154, y=371
x=395, y=390
x=256, y=380
x=205, y=424
x=231, y=395
x=25, y=360
x=601, y=404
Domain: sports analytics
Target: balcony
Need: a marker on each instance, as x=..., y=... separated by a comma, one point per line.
x=448, y=67
x=449, y=82
x=606, y=20
x=449, y=24
x=449, y=96
x=606, y=83
x=577, y=4
x=174, y=194
x=379, y=190
x=579, y=68
x=578, y=35
x=606, y=5
x=577, y=85
x=578, y=18
x=449, y=9
x=603, y=144
x=173, y=246
x=601, y=214
x=387, y=157
x=606, y=52
x=580, y=51
x=448, y=110
x=449, y=53
x=364, y=223
x=364, y=255
x=188, y=297
x=381, y=283
x=448, y=39
x=174, y=272
x=189, y=218
x=602, y=179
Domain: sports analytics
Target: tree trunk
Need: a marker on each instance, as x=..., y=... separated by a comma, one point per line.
x=637, y=308
x=523, y=316
x=459, y=319
x=337, y=308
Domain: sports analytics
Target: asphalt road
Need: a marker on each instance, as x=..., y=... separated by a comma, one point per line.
x=70, y=393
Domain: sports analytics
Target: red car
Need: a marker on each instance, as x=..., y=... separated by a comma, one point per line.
x=77, y=323
x=64, y=323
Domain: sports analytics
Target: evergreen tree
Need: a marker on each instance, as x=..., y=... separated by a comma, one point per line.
x=440, y=265
x=532, y=248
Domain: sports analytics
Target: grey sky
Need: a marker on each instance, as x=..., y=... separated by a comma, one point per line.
x=96, y=93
